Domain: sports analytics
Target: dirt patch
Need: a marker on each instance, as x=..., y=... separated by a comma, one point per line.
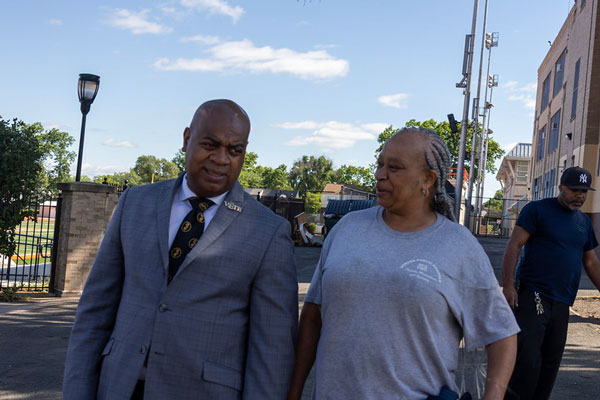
x=587, y=307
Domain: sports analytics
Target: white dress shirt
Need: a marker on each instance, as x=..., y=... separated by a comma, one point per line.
x=181, y=207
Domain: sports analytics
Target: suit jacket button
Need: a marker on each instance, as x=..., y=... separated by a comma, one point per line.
x=162, y=308
x=143, y=350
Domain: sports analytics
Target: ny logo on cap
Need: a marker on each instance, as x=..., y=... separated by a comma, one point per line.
x=582, y=178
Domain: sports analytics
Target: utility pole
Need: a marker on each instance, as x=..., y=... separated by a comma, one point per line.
x=465, y=83
x=476, y=132
x=491, y=40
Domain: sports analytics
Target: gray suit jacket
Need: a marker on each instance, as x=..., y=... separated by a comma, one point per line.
x=223, y=329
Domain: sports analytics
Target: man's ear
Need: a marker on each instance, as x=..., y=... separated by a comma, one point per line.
x=186, y=138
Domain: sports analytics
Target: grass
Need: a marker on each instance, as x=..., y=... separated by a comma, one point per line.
x=45, y=227
x=30, y=259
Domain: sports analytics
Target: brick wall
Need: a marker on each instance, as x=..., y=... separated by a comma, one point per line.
x=86, y=211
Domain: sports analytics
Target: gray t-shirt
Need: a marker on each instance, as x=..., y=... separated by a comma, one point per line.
x=395, y=306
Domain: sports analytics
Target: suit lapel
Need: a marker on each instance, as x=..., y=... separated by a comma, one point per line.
x=163, y=215
x=225, y=215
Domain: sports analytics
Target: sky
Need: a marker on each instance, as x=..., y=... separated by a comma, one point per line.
x=320, y=77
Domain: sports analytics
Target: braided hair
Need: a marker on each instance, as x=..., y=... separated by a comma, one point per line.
x=438, y=159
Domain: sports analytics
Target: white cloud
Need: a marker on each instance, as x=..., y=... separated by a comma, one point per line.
x=245, y=56
x=331, y=135
x=527, y=100
x=524, y=94
x=375, y=127
x=215, y=7
x=397, y=100
x=137, y=23
x=205, y=39
x=513, y=87
x=168, y=10
x=55, y=21
x=325, y=46
x=509, y=146
x=94, y=170
x=115, y=143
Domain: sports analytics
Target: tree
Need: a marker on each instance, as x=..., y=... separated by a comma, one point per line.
x=20, y=167
x=120, y=178
x=361, y=177
x=254, y=175
x=151, y=169
x=452, y=141
x=179, y=160
x=495, y=203
x=312, y=203
x=249, y=177
x=310, y=174
x=274, y=178
x=57, y=158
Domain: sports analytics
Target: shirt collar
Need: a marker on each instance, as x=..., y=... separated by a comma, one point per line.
x=185, y=193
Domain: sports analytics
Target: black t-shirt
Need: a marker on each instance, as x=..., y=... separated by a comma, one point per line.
x=553, y=255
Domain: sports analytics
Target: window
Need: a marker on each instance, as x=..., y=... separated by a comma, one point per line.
x=549, y=180
x=545, y=93
x=559, y=73
x=522, y=171
x=541, y=143
x=575, y=86
x=582, y=4
x=554, y=128
x=536, y=188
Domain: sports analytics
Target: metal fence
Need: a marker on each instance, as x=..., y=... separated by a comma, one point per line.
x=496, y=217
x=30, y=267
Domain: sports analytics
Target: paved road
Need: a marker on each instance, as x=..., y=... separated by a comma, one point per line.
x=34, y=337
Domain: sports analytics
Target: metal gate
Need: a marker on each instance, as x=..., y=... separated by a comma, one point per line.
x=30, y=267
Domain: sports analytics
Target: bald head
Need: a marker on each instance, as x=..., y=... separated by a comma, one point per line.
x=215, y=146
x=226, y=109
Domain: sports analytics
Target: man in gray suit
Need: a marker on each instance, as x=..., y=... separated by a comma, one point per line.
x=220, y=324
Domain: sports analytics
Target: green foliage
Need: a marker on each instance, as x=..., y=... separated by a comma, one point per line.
x=452, y=141
x=151, y=169
x=495, y=203
x=9, y=294
x=20, y=169
x=310, y=174
x=57, y=158
x=311, y=227
x=120, y=178
x=254, y=175
x=312, y=203
x=361, y=177
x=179, y=160
x=274, y=178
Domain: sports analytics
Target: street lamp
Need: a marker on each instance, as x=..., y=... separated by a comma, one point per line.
x=87, y=88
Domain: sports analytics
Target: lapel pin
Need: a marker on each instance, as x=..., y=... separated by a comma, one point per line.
x=233, y=207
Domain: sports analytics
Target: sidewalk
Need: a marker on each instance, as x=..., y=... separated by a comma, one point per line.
x=34, y=338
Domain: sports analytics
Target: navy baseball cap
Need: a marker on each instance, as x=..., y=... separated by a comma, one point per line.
x=576, y=178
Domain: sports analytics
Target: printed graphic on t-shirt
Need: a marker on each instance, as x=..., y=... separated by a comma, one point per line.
x=422, y=269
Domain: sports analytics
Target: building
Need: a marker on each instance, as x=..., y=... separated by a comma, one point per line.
x=567, y=111
x=513, y=176
x=334, y=191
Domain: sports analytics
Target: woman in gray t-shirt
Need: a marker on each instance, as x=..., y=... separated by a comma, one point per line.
x=398, y=286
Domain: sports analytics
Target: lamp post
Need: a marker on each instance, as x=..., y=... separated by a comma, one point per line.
x=87, y=88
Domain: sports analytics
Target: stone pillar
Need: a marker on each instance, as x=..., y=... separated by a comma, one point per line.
x=85, y=213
